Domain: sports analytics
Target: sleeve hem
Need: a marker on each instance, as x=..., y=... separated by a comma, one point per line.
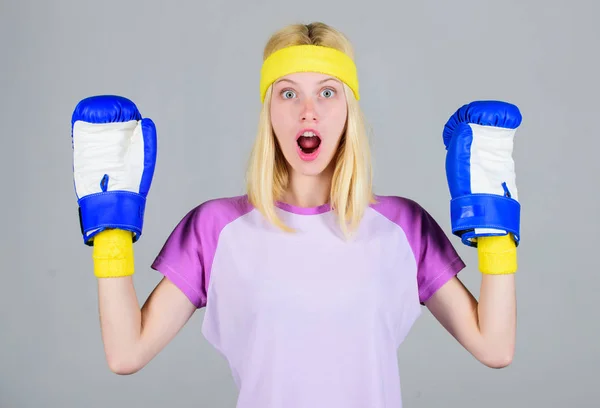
x=178, y=280
x=450, y=271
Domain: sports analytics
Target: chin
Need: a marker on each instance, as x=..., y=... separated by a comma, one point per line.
x=309, y=171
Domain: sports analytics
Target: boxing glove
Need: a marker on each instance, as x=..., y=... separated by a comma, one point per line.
x=114, y=155
x=480, y=171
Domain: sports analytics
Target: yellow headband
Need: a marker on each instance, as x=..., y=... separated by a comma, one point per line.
x=308, y=58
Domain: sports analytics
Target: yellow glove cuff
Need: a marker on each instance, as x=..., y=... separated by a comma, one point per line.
x=113, y=254
x=497, y=255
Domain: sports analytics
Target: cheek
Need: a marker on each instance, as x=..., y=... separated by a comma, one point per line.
x=279, y=117
x=282, y=125
x=337, y=119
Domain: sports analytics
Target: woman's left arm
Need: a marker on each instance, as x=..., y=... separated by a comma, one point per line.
x=486, y=328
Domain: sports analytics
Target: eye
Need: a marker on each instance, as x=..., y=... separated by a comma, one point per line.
x=287, y=94
x=328, y=93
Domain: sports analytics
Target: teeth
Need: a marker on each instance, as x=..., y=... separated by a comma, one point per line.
x=308, y=134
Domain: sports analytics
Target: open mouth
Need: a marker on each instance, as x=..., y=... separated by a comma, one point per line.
x=309, y=141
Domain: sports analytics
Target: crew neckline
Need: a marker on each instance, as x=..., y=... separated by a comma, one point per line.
x=320, y=209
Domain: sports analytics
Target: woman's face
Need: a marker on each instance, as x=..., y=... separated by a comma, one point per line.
x=308, y=114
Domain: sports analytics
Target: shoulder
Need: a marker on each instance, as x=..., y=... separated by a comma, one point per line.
x=411, y=217
x=210, y=217
x=436, y=258
x=186, y=256
x=398, y=209
x=395, y=202
x=221, y=209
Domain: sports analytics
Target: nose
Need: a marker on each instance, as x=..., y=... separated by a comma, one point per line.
x=308, y=112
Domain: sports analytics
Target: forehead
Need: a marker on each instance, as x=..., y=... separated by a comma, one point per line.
x=306, y=78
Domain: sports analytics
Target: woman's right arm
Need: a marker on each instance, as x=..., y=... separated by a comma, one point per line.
x=132, y=335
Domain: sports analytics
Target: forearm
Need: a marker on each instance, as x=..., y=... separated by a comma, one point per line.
x=120, y=322
x=497, y=315
x=496, y=308
x=120, y=314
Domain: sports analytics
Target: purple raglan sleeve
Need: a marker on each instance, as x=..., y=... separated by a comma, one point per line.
x=186, y=257
x=181, y=259
x=436, y=258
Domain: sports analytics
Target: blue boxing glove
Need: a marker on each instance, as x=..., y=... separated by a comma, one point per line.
x=114, y=155
x=480, y=171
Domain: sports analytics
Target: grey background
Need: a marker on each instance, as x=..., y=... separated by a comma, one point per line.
x=193, y=67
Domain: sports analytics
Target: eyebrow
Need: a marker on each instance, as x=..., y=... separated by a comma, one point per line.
x=295, y=83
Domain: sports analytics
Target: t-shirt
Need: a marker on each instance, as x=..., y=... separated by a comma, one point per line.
x=308, y=319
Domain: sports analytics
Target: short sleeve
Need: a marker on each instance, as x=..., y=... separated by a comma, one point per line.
x=437, y=259
x=181, y=259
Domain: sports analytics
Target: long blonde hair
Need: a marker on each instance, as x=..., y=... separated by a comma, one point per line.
x=267, y=173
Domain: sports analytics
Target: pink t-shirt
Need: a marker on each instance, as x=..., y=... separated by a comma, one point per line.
x=307, y=319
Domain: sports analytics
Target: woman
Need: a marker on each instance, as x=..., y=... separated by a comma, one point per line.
x=310, y=280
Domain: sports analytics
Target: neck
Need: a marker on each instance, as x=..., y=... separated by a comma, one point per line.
x=308, y=191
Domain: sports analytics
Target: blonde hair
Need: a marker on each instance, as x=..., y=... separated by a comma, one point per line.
x=267, y=173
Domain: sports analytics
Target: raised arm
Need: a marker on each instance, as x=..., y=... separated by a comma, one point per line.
x=114, y=155
x=132, y=335
x=485, y=213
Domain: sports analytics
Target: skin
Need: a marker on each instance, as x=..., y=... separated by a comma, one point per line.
x=308, y=101
x=485, y=328
x=133, y=336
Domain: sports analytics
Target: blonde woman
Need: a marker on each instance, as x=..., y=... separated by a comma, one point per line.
x=310, y=280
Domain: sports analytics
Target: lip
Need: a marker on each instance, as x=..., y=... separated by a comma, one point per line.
x=315, y=131
x=308, y=157
x=312, y=156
